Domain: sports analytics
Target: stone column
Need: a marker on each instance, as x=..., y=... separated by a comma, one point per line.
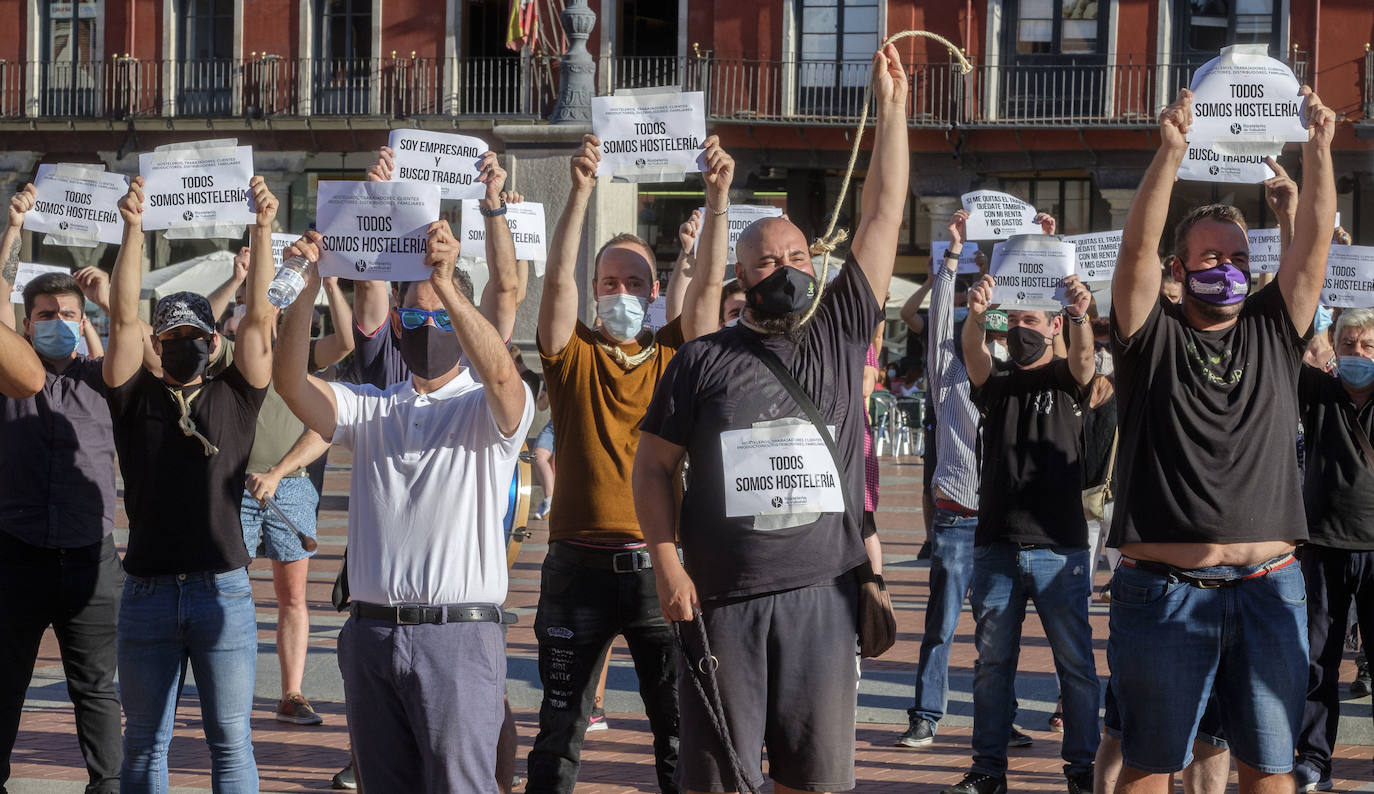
x=576, y=69
x=1118, y=203
x=938, y=210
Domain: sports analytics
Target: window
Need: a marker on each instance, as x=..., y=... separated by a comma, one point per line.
x=1070, y=201
x=343, y=66
x=1213, y=24
x=1048, y=27
x=206, y=74
x=72, y=62
x=838, y=38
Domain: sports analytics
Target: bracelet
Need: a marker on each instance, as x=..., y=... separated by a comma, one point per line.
x=949, y=253
x=486, y=213
x=1079, y=320
x=712, y=210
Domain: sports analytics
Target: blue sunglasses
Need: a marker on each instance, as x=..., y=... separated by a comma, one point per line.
x=414, y=318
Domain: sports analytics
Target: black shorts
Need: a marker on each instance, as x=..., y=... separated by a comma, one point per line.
x=787, y=679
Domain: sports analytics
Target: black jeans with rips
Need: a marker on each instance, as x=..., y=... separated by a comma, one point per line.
x=581, y=609
x=76, y=591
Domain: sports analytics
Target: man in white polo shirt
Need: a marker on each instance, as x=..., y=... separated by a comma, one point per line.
x=422, y=656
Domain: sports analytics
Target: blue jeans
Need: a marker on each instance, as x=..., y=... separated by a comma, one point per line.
x=951, y=569
x=164, y=622
x=1247, y=643
x=1057, y=580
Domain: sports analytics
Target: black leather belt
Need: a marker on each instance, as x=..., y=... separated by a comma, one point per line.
x=1206, y=583
x=629, y=561
x=415, y=615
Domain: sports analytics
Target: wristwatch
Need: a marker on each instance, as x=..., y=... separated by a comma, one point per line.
x=950, y=253
x=486, y=213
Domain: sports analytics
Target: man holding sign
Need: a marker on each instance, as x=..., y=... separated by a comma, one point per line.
x=1031, y=543
x=771, y=526
x=183, y=441
x=598, y=580
x=1208, y=507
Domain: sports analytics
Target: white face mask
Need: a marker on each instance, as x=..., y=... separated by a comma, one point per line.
x=998, y=351
x=622, y=315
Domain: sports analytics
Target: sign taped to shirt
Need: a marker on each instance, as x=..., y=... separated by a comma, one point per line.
x=774, y=469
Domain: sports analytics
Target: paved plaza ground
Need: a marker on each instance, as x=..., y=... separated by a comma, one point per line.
x=293, y=758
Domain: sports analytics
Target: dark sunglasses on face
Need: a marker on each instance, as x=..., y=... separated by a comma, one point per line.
x=414, y=318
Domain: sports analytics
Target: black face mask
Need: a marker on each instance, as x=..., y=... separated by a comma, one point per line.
x=185, y=359
x=785, y=291
x=1025, y=345
x=429, y=351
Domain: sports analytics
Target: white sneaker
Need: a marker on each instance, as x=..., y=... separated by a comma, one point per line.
x=542, y=511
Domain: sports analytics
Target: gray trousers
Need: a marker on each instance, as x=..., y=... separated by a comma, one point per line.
x=425, y=704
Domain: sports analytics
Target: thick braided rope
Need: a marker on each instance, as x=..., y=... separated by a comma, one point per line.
x=832, y=237
x=715, y=709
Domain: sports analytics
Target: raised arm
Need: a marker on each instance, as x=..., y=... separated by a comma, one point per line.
x=684, y=269
x=501, y=296
x=10, y=243
x=332, y=348
x=558, y=306
x=655, y=471
x=1135, y=286
x=253, y=339
x=485, y=349
x=1302, y=269
x=977, y=359
x=224, y=293
x=885, y=190
x=95, y=285
x=308, y=397
x=372, y=299
x=911, y=310
x=1078, y=331
x=124, y=351
x=1281, y=194
x=940, y=345
x=21, y=373
x=701, y=304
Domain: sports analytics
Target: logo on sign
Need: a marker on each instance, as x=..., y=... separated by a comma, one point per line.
x=1235, y=128
x=360, y=266
x=641, y=162
x=187, y=215
x=1020, y=296
x=996, y=232
x=777, y=501
x=62, y=226
x=1331, y=298
x=1214, y=170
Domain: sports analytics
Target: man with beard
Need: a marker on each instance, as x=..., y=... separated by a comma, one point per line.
x=769, y=536
x=1208, y=505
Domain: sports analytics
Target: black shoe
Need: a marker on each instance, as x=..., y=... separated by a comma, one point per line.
x=1019, y=739
x=919, y=734
x=1360, y=687
x=344, y=780
x=1080, y=783
x=924, y=553
x=979, y=783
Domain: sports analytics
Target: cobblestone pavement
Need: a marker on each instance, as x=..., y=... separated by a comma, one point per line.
x=293, y=758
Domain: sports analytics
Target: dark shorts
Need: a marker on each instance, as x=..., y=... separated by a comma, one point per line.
x=1208, y=728
x=787, y=680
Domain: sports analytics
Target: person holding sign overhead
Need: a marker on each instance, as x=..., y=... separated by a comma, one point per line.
x=772, y=414
x=1208, y=506
x=598, y=580
x=183, y=441
x=1031, y=543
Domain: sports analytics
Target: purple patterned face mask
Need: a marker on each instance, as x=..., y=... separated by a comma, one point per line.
x=1222, y=285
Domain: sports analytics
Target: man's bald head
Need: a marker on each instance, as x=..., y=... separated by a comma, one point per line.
x=767, y=244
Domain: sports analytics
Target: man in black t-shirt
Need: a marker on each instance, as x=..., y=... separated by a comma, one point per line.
x=771, y=521
x=1208, y=509
x=1031, y=544
x=183, y=441
x=1338, y=560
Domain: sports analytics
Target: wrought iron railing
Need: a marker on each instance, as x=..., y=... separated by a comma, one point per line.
x=1368, y=83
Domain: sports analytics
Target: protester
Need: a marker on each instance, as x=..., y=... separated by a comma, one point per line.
x=1031, y=543
x=731, y=302
x=1338, y=559
x=58, y=563
x=774, y=579
x=1207, y=503
x=597, y=581
x=953, y=488
x=183, y=441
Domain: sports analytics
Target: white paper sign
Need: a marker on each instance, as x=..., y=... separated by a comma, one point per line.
x=1349, y=277
x=1030, y=270
x=526, y=222
x=779, y=469
x=1264, y=250
x=968, y=257
x=1243, y=98
x=1097, y=254
x=650, y=136
x=279, y=244
x=1203, y=164
x=450, y=161
x=741, y=215
x=375, y=230
x=28, y=272
x=997, y=216
x=77, y=204
x=197, y=188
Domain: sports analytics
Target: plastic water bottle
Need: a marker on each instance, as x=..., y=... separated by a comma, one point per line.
x=288, y=282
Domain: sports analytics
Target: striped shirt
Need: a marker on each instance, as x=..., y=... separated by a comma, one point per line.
x=956, y=420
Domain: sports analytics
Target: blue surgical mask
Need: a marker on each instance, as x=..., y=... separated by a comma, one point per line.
x=55, y=339
x=1357, y=372
x=1322, y=320
x=622, y=315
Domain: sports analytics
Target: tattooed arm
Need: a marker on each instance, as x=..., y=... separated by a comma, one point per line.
x=10, y=243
